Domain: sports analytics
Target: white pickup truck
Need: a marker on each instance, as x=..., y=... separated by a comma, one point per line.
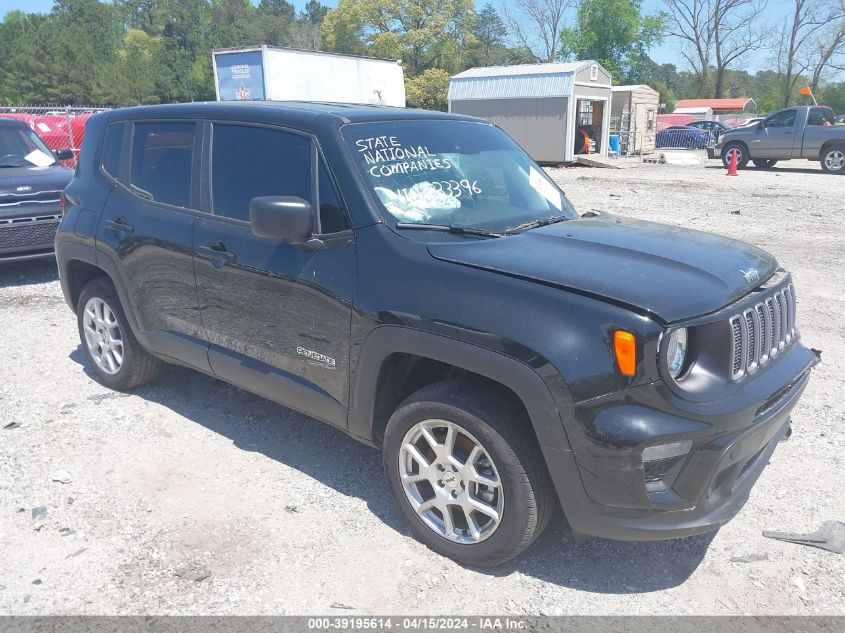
x=807, y=132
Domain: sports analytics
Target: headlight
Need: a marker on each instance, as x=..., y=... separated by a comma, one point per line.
x=676, y=351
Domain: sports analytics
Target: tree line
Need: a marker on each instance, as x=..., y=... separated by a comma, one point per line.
x=128, y=52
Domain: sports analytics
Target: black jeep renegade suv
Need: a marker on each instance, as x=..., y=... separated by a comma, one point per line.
x=415, y=279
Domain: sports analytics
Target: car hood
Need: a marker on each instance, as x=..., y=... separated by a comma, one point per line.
x=30, y=180
x=666, y=271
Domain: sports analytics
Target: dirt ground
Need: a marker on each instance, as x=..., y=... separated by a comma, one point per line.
x=191, y=497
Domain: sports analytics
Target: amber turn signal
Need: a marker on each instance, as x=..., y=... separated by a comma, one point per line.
x=625, y=348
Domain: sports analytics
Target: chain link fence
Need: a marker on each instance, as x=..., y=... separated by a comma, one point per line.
x=685, y=137
x=60, y=127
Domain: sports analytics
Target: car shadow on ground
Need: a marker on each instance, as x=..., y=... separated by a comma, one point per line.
x=777, y=168
x=28, y=272
x=353, y=469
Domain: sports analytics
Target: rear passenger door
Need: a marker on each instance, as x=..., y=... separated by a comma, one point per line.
x=147, y=229
x=277, y=316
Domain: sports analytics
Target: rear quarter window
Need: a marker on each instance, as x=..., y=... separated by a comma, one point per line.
x=113, y=149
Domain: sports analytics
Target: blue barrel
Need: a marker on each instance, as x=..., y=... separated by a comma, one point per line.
x=614, y=144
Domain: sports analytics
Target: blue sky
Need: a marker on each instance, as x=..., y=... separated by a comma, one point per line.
x=667, y=53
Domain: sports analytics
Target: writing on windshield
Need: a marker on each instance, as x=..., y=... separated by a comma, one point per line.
x=452, y=172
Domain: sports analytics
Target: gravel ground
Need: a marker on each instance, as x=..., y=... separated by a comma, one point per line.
x=192, y=497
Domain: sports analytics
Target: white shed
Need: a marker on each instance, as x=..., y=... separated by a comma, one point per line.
x=633, y=116
x=554, y=111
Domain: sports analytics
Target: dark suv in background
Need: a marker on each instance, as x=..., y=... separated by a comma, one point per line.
x=31, y=183
x=416, y=280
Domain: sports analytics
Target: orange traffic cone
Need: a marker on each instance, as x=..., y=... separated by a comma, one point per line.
x=732, y=166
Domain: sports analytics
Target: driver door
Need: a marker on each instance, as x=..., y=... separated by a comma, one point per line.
x=777, y=138
x=277, y=316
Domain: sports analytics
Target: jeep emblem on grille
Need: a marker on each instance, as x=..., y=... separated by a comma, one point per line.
x=23, y=188
x=752, y=275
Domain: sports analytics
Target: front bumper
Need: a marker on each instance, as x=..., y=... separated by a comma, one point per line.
x=601, y=481
x=29, y=234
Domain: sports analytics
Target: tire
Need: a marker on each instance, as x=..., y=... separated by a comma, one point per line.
x=741, y=158
x=764, y=163
x=100, y=318
x=479, y=416
x=833, y=159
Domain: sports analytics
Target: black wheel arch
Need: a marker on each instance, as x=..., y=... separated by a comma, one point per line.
x=79, y=264
x=378, y=371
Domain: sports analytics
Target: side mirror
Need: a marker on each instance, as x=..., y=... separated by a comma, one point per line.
x=761, y=124
x=285, y=218
x=64, y=154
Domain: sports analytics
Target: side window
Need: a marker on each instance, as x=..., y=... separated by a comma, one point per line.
x=820, y=116
x=162, y=154
x=781, y=119
x=112, y=148
x=247, y=162
x=332, y=217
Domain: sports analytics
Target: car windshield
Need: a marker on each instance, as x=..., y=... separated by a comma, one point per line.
x=21, y=147
x=454, y=173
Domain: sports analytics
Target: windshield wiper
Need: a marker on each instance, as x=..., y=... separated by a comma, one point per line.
x=533, y=224
x=456, y=229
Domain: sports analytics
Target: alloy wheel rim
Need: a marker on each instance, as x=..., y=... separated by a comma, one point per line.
x=451, y=482
x=835, y=160
x=102, y=335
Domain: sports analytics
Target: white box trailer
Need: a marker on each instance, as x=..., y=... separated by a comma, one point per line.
x=287, y=74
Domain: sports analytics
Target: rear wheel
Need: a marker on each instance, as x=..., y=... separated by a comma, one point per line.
x=467, y=472
x=764, y=163
x=833, y=159
x=741, y=155
x=107, y=341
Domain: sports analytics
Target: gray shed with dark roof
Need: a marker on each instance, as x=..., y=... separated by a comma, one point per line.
x=554, y=111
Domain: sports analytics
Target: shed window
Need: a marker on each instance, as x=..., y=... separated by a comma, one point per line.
x=594, y=73
x=650, y=120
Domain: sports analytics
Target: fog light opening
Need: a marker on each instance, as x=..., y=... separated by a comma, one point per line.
x=661, y=464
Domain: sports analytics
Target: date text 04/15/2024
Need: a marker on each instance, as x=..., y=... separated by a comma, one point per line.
x=421, y=623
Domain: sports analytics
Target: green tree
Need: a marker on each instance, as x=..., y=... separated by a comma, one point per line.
x=306, y=29
x=420, y=32
x=833, y=95
x=428, y=90
x=275, y=18
x=615, y=33
x=490, y=34
x=135, y=75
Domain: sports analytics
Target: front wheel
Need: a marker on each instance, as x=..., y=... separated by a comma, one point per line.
x=741, y=155
x=833, y=159
x=467, y=472
x=764, y=163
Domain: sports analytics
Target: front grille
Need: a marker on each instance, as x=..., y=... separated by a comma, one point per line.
x=28, y=232
x=760, y=333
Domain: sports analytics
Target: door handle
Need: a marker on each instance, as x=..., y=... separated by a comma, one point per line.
x=218, y=254
x=119, y=225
